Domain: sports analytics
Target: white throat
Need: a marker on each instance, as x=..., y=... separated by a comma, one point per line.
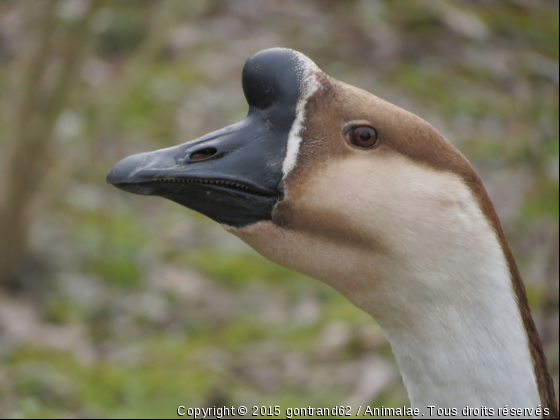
x=428, y=266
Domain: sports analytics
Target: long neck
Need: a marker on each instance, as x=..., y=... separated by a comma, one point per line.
x=447, y=307
x=459, y=339
x=432, y=267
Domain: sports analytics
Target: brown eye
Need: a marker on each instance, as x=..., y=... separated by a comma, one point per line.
x=364, y=137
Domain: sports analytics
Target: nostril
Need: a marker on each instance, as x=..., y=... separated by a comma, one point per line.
x=203, y=154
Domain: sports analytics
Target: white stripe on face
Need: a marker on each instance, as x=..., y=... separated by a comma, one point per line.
x=307, y=72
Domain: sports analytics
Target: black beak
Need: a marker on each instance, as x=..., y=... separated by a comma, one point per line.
x=234, y=175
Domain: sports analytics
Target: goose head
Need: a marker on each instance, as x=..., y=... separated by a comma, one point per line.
x=334, y=182
x=321, y=177
x=315, y=162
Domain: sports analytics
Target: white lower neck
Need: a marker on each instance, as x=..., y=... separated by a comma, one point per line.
x=483, y=368
x=468, y=349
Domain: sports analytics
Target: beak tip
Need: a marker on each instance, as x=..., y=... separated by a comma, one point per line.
x=109, y=179
x=124, y=170
x=114, y=176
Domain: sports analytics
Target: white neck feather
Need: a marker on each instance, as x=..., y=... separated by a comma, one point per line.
x=471, y=353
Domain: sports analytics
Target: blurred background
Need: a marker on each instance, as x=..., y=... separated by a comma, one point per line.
x=113, y=305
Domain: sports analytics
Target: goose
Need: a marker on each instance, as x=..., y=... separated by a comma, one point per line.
x=335, y=183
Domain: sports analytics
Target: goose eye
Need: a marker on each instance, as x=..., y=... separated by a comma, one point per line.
x=364, y=137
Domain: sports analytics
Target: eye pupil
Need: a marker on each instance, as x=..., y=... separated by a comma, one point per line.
x=364, y=137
